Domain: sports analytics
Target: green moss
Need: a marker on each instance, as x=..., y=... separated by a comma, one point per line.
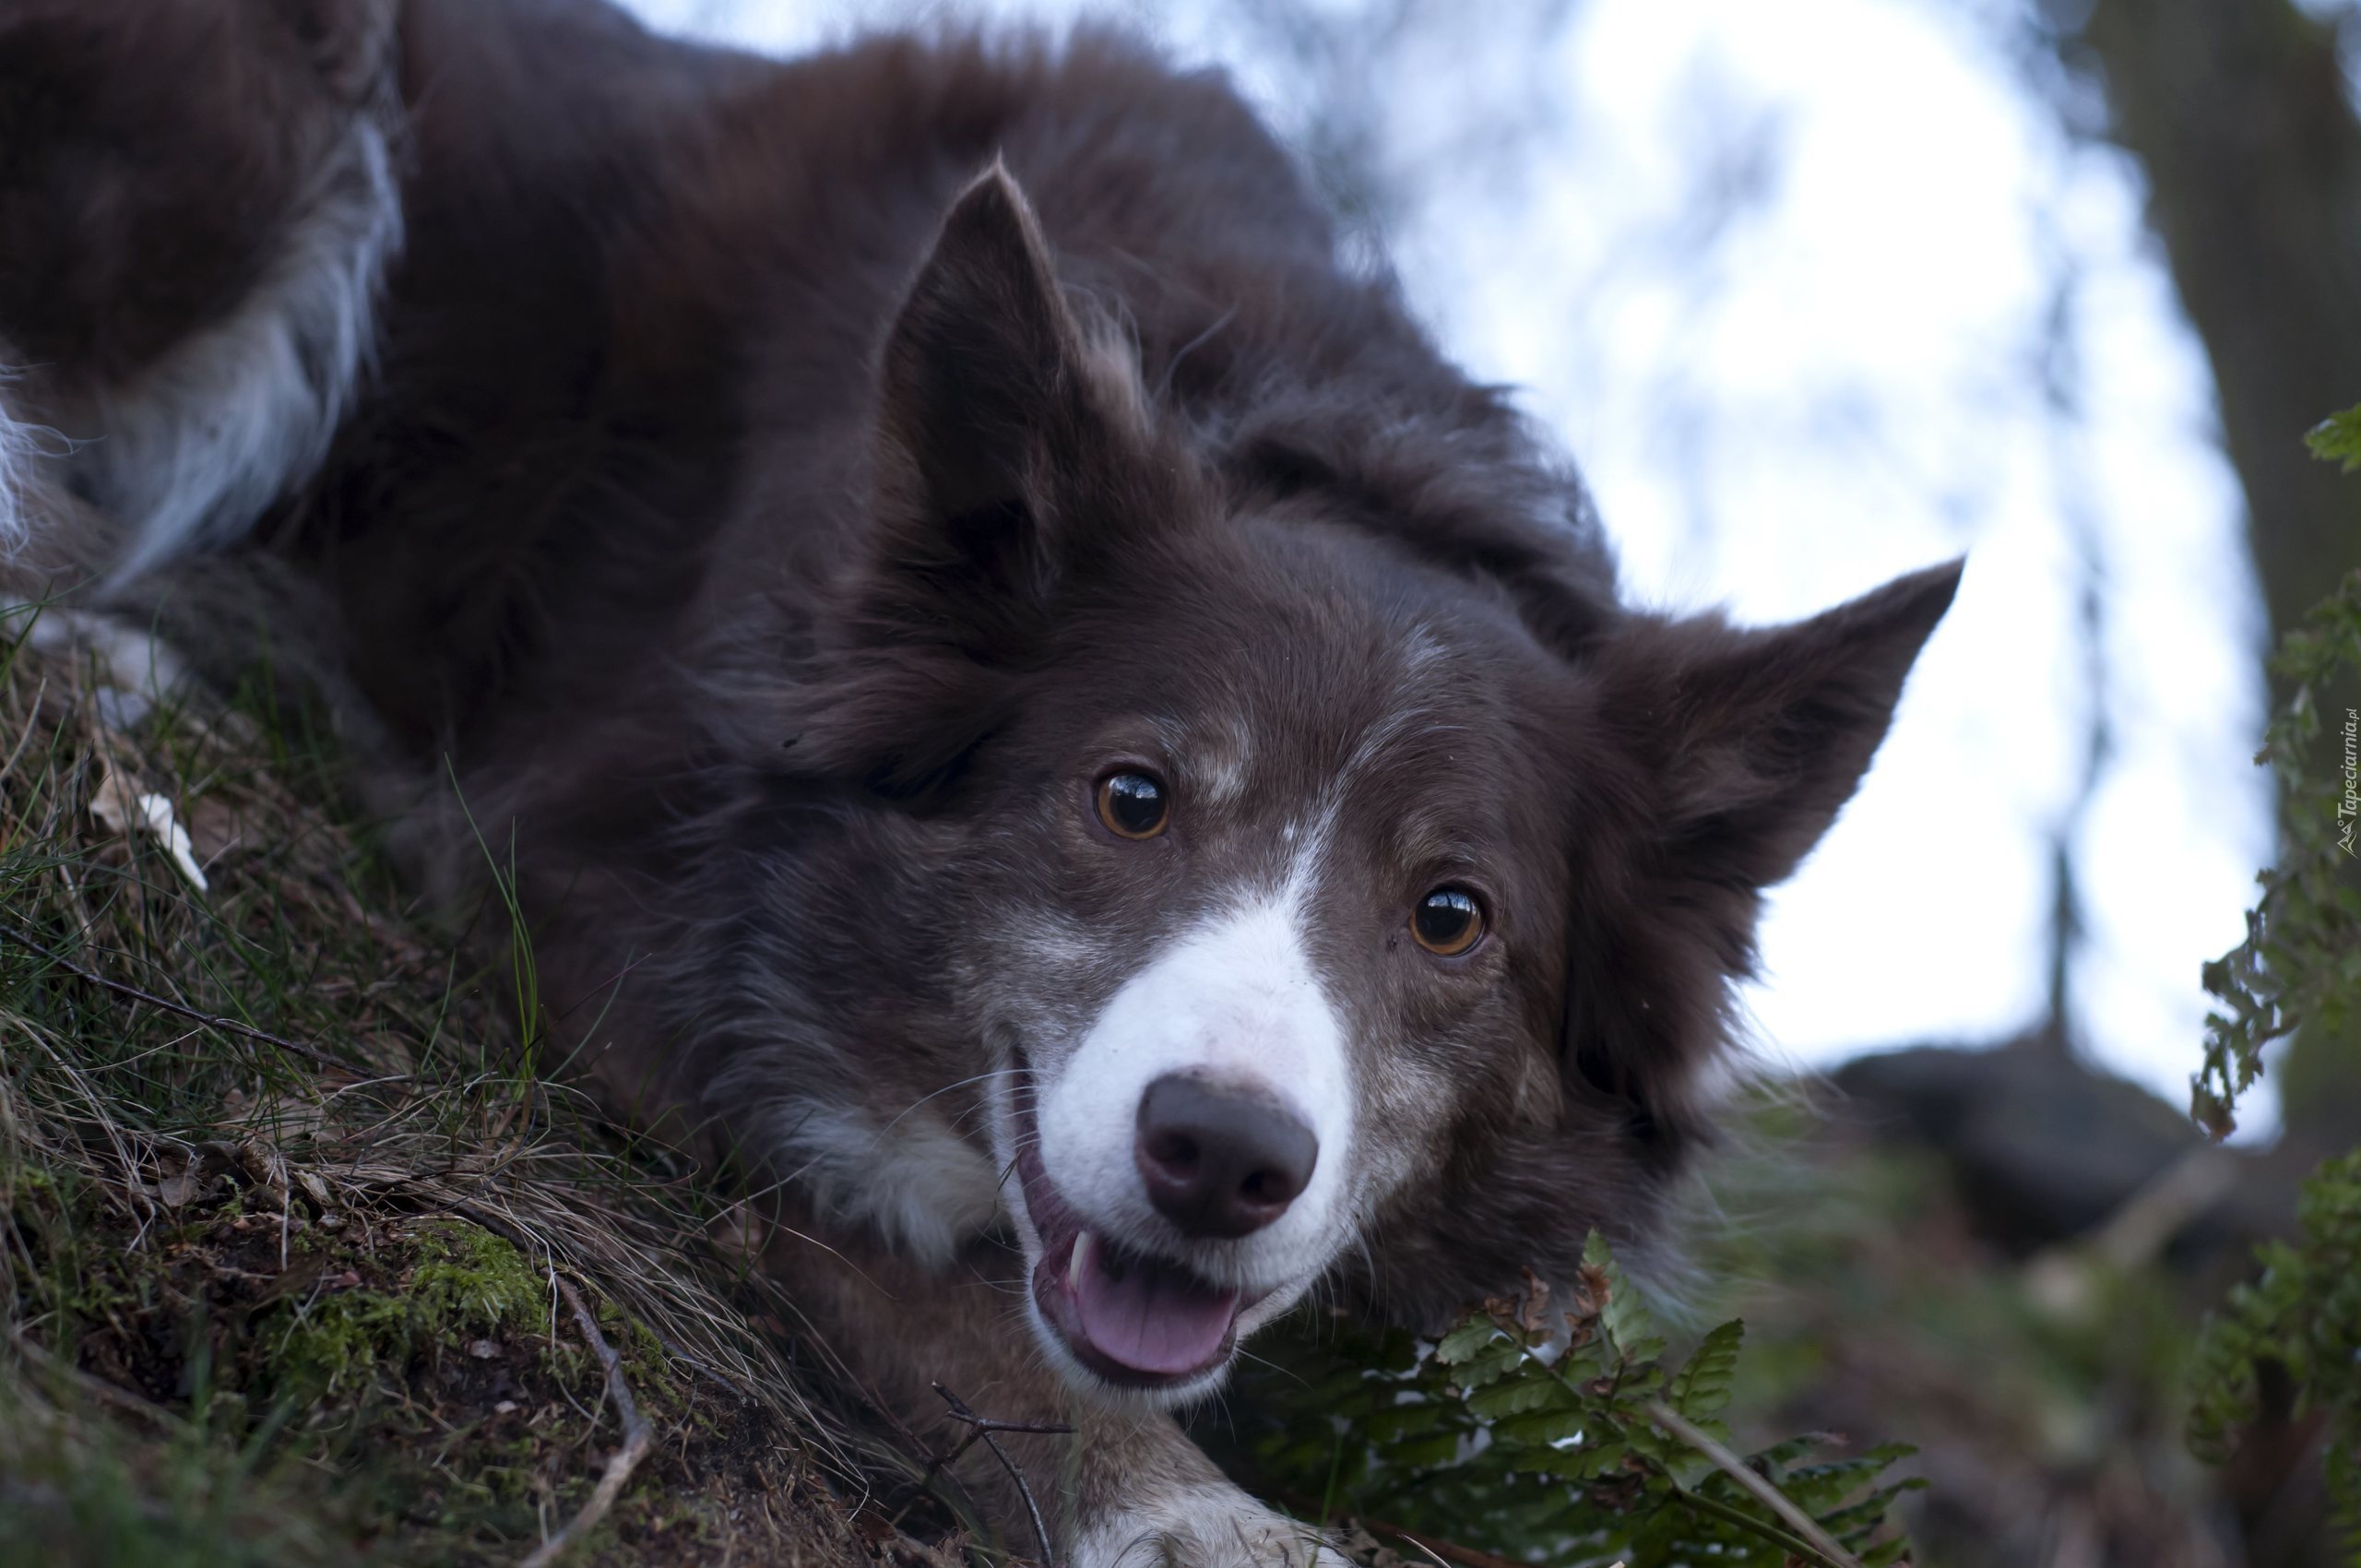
x=464, y=1281
x=467, y=1277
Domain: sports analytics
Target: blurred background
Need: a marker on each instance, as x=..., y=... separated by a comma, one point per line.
x=1816, y=293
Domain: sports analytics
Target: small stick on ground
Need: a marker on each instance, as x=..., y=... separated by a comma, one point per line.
x=625, y=1459
x=1806, y=1527
x=96, y=1388
x=984, y=1426
x=228, y=1026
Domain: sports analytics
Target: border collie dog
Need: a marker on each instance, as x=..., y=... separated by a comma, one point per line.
x=1041, y=721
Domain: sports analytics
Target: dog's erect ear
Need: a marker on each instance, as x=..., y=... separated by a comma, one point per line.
x=1757, y=738
x=1749, y=742
x=981, y=372
x=1011, y=445
x=1717, y=757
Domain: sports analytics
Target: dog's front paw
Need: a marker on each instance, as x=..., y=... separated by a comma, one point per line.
x=1201, y=1526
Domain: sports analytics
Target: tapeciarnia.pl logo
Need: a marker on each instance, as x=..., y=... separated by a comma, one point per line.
x=2348, y=810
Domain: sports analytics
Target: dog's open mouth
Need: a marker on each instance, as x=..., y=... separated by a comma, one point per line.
x=1136, y=1320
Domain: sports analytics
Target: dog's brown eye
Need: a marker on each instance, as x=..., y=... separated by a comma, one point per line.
x=1132, y=805
x=1447, y=921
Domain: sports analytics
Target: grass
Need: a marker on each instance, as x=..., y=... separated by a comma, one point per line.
x=290, y=1233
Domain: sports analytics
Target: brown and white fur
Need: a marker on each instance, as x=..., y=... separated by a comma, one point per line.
x=789, y=496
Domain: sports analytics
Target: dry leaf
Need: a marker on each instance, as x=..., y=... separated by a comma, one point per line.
x=188, y=1183
x=115, y=802
x=216, y=827
x=120, y=807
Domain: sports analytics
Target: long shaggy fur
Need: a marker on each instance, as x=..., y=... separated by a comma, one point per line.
x=18, y=446
x=196, y=449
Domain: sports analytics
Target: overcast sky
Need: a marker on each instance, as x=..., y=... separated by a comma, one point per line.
x=1818, y=292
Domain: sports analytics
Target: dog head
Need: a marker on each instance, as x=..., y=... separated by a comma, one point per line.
x=1333, y=892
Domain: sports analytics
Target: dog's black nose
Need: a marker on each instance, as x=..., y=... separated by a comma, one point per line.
x=1220, y=1163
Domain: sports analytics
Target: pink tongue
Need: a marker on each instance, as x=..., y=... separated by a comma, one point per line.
x=1153, y=1319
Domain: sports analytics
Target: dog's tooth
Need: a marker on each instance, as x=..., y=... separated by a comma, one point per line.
x=1082, y=1246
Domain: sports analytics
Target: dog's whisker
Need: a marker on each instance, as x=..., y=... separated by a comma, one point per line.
x=947, y=1088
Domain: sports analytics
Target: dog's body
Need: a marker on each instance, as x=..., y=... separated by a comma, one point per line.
x=1035, y=709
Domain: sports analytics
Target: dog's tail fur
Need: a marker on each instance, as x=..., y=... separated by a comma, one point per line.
x=242, y=412
x=198, y=225
x=182, y=403
x=16, y=454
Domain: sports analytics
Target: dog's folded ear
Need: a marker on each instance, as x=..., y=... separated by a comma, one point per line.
x=1747, y=743
x=1011, y=449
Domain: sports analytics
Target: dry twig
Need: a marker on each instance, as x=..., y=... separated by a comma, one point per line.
x=1807, y=1529
x=97, y=1388
x=228, y=1026
x=625, y=1458
x=984, y=1426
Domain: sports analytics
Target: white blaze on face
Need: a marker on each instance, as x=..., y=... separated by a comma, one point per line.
x=1237, y=1002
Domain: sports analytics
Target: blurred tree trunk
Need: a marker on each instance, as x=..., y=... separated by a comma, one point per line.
x=2239, y=111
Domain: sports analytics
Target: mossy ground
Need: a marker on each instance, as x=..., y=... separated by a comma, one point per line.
x=294, y=1300
x=404, y=1389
